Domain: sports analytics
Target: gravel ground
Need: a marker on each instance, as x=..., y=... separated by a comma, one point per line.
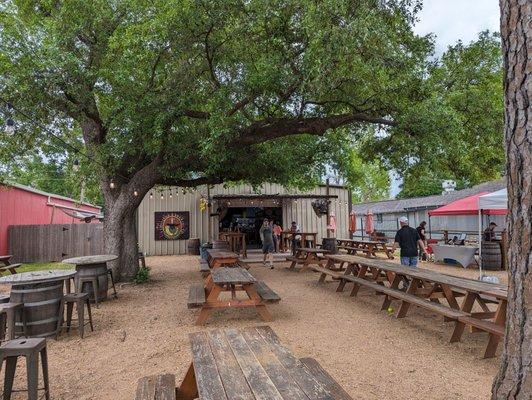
x=371, y=354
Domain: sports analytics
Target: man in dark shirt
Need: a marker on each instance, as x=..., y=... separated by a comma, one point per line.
x=489, y=233
x=408, y=240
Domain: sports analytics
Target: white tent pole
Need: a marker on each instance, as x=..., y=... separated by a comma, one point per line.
x=480, y=242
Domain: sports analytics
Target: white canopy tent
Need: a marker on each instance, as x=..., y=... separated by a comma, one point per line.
x=492, y=201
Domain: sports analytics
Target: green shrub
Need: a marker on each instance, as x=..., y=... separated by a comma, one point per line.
x=143, y=275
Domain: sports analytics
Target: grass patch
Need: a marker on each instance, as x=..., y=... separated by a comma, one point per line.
x=43, y=267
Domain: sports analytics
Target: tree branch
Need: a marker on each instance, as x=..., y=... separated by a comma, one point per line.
x=273, y=128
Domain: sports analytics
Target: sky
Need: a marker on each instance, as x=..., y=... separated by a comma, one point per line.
x=453, y=20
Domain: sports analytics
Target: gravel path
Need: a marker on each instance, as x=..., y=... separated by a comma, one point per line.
x=372, y=355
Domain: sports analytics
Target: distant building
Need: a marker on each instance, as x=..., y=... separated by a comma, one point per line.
x=167, y=217
x=23, y=205
x=386, y=213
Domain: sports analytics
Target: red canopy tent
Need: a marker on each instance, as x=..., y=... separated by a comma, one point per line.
x=465, y=206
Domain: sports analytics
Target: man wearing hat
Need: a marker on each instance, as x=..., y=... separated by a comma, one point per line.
x=489, y=233
x=408, y=240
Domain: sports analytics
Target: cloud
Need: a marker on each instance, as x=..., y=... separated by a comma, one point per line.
x=453, y=20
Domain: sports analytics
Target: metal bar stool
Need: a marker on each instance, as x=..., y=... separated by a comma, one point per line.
x=80, y=300
x=110, y=273
x=8, y=312
x=93, y=280
x=29, y=348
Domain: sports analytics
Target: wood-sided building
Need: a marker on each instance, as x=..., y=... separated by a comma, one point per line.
x=168, y=216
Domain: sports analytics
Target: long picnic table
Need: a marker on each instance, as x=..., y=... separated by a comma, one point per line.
x=425, y=288
x=306, y=256
x=251, y=363
x=232, y=280
x=368, y=247
x=5, y=264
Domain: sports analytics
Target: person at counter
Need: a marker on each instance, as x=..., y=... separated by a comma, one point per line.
x=489, y=233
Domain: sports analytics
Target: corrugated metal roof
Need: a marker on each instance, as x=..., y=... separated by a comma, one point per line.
x=426, y=202
x=55, y=196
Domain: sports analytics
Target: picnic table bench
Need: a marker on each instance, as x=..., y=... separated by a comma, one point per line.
x=425, y=289
x=306, y=256
x=219, y=258
x=205, y=270
x=233, y=280
x=5, y=265
x=368, y=247
x=251, y=363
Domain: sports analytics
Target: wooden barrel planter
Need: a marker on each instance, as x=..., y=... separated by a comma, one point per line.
x=491, y=256
x=220, y=245
x=42, y=305
x=193, y=246
x=330, y=244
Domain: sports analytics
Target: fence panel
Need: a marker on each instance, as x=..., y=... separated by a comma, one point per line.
x=47, y=243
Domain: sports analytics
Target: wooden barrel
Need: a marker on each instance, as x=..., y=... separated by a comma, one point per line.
x=220, y=245
x=491, y=256
x=193, y=246
x=42, y=306
x=330, y=244
x=93, y=270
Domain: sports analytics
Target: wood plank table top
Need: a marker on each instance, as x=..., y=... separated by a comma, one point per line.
x=5, y=258
x=91, y=260
x=231, y=276
x=221, y=254
x=38, y=276
x=312, y=250
x=490, y=289
x=251, y=363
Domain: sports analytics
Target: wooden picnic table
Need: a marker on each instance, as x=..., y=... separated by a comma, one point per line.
x=237, y=242
x=368, y=247
x=307, y=239
x=5, y=264
x=233, y=280
x=306, y=256
x=251, y=363
x=425, y=289
x=218, y=258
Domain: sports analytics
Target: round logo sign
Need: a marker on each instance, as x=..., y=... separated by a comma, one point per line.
x=172, y=226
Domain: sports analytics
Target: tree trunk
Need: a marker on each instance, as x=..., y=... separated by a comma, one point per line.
x=514, y=380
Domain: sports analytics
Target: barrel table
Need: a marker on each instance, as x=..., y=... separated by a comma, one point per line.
x=92, y=267
x=41, y=292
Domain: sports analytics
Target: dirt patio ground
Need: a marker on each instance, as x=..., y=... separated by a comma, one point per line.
x=371, y=354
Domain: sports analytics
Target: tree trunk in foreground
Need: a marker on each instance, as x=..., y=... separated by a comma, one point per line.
x=514, y=380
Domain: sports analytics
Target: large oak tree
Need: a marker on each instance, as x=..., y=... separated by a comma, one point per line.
x=199, y=92
x=514, y=380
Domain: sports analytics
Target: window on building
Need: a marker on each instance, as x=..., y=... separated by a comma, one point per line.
x=379, y=218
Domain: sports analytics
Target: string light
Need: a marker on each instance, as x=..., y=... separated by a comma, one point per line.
x=151, y=195
x=10, y=126
x=170, y=193
x=112, y=185
x=135, y=193
x=162, y=196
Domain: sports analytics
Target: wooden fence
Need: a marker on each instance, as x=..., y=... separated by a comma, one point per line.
x=47, y=243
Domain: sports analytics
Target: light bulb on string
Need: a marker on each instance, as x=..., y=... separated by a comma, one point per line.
x=151, y=195
x=162, y=196
x=112, y=185
x=135, y=193
x=170, y=193
x=10, y=126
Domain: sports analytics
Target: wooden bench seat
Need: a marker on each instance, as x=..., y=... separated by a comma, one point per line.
x=326, y=271
x=10, y=267
x=409, y=298
x=482, y=324
x=242, y=264
x=325, y=379
x=266, y=293
x=196, y=296
x=156, y=387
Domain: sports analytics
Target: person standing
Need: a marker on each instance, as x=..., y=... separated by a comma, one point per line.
x=277, y=230
x=296, y=239
x=266, y=234
x=408, y=240
x=489, y=233
x=421, y=232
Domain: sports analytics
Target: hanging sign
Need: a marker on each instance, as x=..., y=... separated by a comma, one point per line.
x=172, y=225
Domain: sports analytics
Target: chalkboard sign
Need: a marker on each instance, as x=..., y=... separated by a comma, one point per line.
x=172, y=225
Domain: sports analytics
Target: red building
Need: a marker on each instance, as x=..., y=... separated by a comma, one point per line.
x=22, y=205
